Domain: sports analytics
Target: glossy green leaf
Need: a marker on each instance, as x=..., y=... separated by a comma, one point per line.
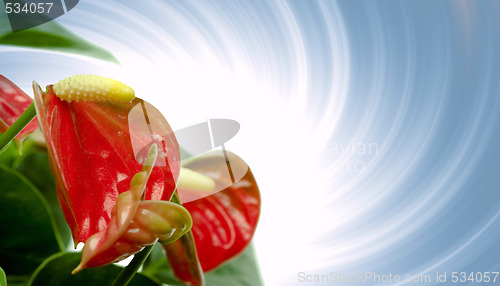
x=14, y=152
x=28, y=235
x=56, y=271
x=3, y=279
x=34, y=165
x=157, y=268
x=51, y=36
x=241, y=271
x=9, y=155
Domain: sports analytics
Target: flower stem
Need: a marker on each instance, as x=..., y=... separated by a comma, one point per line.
x=128, y=272
x=18, y=126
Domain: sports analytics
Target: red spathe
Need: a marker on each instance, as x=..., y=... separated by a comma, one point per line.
x=93, y=159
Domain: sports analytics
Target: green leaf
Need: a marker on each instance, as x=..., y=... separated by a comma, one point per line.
x=51, y=36
x=34, y=165
x=157, y=268
x=242, y=270
x=14, y=151
x=56, y=270
x=3, y=279
x=9, y=155
x=28, y=235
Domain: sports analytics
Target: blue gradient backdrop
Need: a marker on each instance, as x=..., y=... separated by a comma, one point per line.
x=371, y=126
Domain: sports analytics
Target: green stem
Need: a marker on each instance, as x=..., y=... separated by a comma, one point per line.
x=128, y=272
x=18, y=126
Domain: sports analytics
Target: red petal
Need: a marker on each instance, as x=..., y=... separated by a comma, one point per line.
x=224, y=222
x=13, y=102
x=105, y=246
x=93, y=158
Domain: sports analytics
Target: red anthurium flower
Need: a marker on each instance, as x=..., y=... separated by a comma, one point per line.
x=94, y=162
x=223, y=222
x=13, y=102
x=135, y=223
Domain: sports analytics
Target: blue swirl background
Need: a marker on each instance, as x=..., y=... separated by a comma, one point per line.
x=371, y=126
